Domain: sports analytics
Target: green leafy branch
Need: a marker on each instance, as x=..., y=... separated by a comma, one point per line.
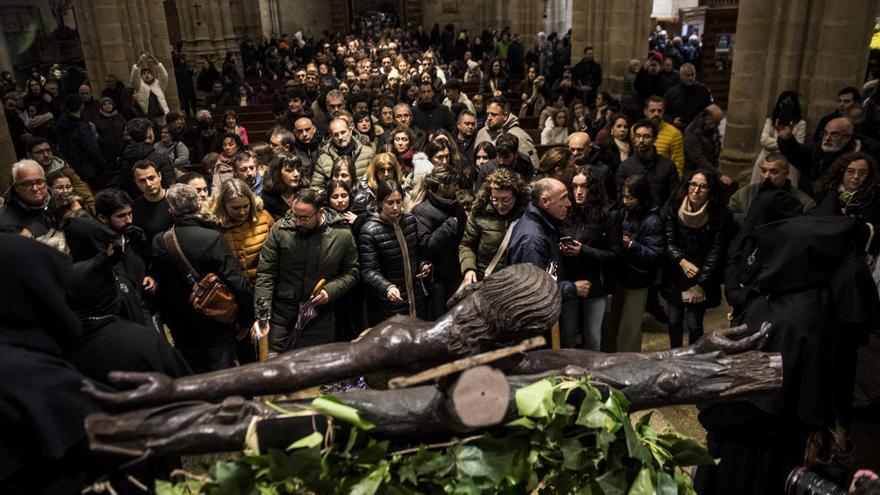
x=567, y=439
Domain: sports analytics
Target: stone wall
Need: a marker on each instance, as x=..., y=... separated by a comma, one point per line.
x=813, y=47
x=618, y=31
x=309, y=16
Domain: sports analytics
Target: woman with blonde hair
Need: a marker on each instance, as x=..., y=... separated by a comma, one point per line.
x=382, y=168
x=245, y=225
x=243, y=221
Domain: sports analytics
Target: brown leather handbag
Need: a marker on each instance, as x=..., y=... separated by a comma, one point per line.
x=209, y=295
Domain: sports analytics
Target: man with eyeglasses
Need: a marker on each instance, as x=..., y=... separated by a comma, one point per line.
x=26, y=201
x=403, y=118
x=311, y=243
x=660, y=171
x=280, y=140
x=838, y=138
x=40, y=151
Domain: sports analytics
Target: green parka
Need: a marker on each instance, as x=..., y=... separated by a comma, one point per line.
x=291, y=264
x=483, y=234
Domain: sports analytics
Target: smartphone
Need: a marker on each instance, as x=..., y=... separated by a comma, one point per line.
x=565, y=240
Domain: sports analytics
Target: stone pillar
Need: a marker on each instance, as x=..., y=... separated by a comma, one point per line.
x=113, y=33
x=813, y=47
x=7, y=155
x=207, y=31
x=618, y=31
x=270, y=19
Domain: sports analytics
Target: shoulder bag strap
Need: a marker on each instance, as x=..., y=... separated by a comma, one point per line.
x=501, y=249
x=179, y=258
x=407, y=268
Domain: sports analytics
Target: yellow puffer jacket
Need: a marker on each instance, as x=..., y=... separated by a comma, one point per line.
x=247, y=240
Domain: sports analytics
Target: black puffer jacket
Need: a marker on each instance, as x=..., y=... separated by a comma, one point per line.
x=600, y=250
x=441, y=224
x=381, y=260
x=704, y=247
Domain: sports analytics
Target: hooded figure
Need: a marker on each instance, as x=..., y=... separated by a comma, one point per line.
x=43, y=447
x=806, y=277
x=109, y=343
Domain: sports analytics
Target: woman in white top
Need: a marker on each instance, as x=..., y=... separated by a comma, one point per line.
x=786, y=111
x=556, y=128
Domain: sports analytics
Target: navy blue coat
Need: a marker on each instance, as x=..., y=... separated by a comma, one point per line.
x=535, y=240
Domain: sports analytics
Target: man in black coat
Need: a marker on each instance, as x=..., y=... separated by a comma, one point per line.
x=660, y=171
x=466, y=137
x=684, y=101
x=306, y=144
x=142, y=136
x=207, y=345
x=430, y=115
x=588, y=75
x=77, y=143
x=218, y=97
x=846, y=99
x=26, y=200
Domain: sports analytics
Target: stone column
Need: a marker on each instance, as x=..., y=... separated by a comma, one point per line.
x=270, y=18
x=113, y=33
x=813, y=47
x=618, y=31
x=7, y=155
x=206, y=29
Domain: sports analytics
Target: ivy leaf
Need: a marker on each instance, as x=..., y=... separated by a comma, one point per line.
x=407, y=474
x=684, y=484
x=469, y=460
x=532, y=400
x=522, y=422
x=666, y=485
x=634, y=445
x=373, y=453
x=686, y=451
x=642, y=485
x=308, y=441
x=604, y=439
x=232, y=478
x=369, y=484
x=613, y=482
x=573, y=455
x=333, y=407
x=432, y=464
x=591, y=414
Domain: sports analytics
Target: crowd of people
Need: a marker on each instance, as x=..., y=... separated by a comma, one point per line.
x=399, y=172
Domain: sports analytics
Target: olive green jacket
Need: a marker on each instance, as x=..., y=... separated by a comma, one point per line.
x=483, y=234
x=292, y=263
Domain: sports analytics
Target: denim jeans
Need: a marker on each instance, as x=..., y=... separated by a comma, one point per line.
x=681, y=314
x=582, y=316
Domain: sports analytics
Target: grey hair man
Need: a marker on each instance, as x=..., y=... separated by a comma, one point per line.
x=207, y=345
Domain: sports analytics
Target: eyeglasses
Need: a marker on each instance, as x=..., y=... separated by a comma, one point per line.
x=63, y=187
x=304, y=218
x=501, y=201
x=31, y=184
x=276, y=146
x=857, y=172
x=697, y=185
